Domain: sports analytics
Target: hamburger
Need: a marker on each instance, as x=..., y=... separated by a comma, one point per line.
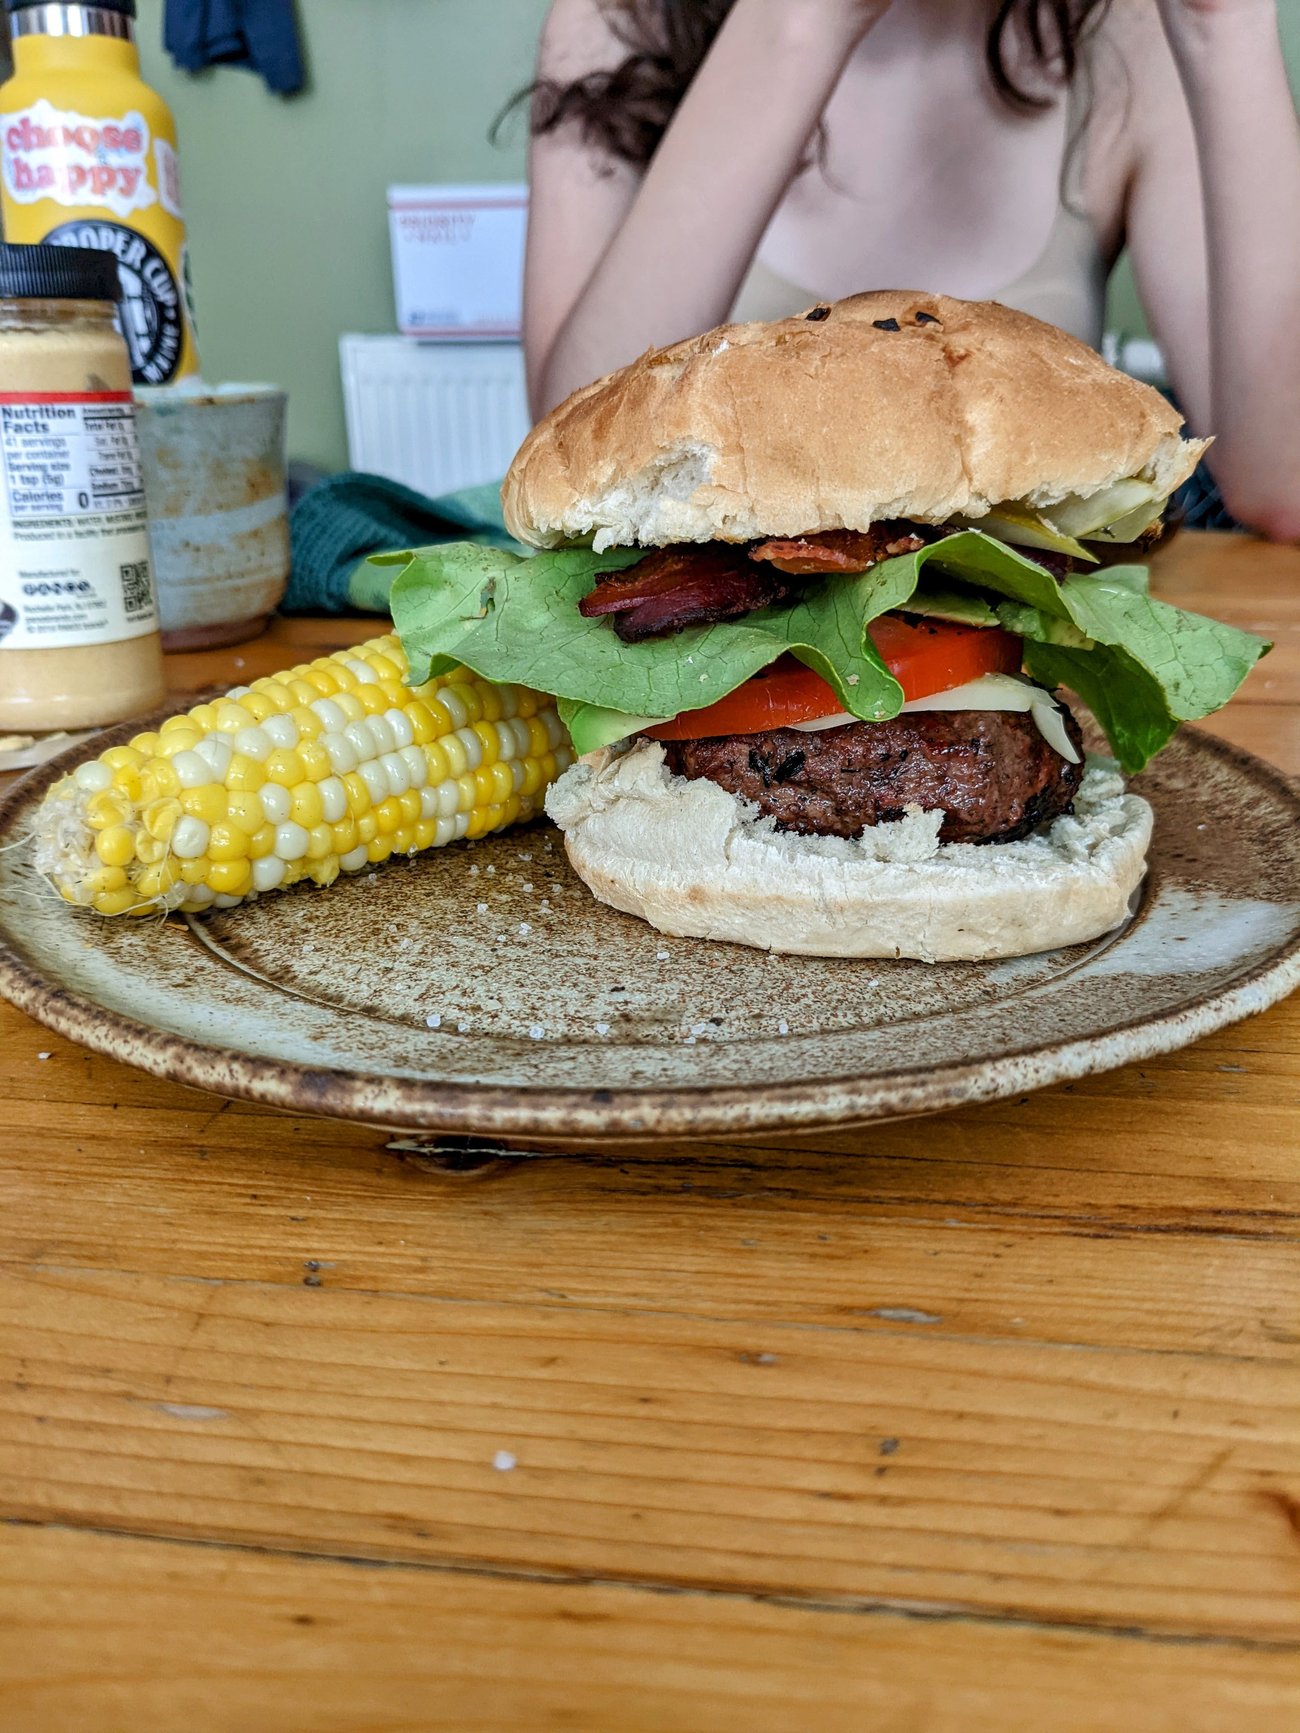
x=809, y=593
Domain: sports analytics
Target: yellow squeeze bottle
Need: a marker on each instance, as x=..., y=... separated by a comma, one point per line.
x=88, y=159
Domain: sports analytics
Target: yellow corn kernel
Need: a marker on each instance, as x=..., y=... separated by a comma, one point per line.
x=127, y=782
x=503, y=781
x=305, y=805
x=324, y=872
x=388, y=815
x=351, y=706
x=320, y=842
x=367, y=828
x=122, y=902
x=262, y=842
x=470, y=794
x=244, y=775
x=207, y=802
x=358, y=794
x=105, y=879
x=258, y=706
x=204, y=717
x=284, y=767
x=115, y=845
x=160, y=818
x=231, y=717
x=488, y=739
x=426, y=832
x=345, y=835
x=107, y=807
x=322, y=680
x=230, y=878
x=121, y=757
x=158, y=779
x=532, y=777
x=173, y=723
x=379, y=849
x=178, y=740
x=195, y=872
x=417, y=714
x=278, y=695
x=245, y=810
x=147, y=744
x=410, y=806
x=227, y=842
x=148, y=850
x=315, y=760
x=157, y=879
x=307, y=722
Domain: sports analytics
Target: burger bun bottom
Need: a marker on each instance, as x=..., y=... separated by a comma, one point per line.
x=694, y=860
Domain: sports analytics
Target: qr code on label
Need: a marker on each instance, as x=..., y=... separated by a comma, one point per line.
x=137, y=596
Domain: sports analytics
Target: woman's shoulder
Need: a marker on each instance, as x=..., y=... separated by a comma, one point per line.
x=579, y=36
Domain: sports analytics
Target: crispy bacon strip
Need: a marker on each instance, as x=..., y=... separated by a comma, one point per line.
x=837, y=550
x=658, y=573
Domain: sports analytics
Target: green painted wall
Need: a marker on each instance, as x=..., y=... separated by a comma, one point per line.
x=285, y=199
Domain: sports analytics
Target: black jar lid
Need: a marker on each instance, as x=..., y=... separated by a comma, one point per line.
x=125, y=7
x=57, y=273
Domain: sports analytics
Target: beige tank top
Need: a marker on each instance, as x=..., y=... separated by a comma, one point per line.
x=1066, y=285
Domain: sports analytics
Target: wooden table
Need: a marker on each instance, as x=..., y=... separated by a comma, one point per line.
x=983, y=1422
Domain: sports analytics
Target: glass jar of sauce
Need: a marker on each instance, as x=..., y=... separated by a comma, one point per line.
x=79, y=641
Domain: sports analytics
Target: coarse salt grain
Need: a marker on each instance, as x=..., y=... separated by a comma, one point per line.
x=403, y=944
x=688, y=1041
x=473, y=870
x=501, y=938
x=524, y=929
x=661, y=956
x=504, y=1461
x=481, y=907
x=545, y=903
x=463, y=1028
x=783, y=1028
x=699, y=1028
x=434, y=1020
x=44, y=1055
x=527, y=887
x=602, y=1028
x=535, y=1032
x=490, y=871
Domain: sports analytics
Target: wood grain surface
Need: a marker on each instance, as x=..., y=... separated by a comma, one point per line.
x=986, y=1421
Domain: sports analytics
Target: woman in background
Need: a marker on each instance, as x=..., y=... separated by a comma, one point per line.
x=699, y=160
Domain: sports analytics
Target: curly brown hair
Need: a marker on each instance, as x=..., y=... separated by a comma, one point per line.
x=624, y=110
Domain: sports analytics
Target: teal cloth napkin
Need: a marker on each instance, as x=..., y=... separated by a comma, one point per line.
x=340, y=522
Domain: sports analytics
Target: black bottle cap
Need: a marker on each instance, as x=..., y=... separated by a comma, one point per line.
x=57, y=273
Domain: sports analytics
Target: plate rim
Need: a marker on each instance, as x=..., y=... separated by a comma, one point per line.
x=654, y=1111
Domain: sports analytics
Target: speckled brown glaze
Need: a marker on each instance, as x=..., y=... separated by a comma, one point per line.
x=557, y=1017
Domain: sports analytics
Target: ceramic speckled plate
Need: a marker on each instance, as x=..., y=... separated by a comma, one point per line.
x=479, y=988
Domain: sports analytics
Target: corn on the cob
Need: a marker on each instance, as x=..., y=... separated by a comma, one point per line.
x=326, y=768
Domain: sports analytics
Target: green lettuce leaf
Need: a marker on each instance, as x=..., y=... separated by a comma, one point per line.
x=517, y=619
x=1141, y=665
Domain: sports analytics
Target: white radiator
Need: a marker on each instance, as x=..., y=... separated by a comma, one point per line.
x=437, y=416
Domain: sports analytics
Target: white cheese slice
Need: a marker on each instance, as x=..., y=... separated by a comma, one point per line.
x=989, y=692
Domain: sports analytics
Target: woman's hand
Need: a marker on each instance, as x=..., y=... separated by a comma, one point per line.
x=1181, y=16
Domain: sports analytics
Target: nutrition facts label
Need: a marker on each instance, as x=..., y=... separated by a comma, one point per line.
x=74, y=545
x=64, y=459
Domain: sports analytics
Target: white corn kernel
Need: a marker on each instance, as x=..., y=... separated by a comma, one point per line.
x=508, y=701
x=94, y=777
x=333, y=799
x=399, y=777
x=444, y=832
x=254, y=743
x=237, y=692
x=276, y=802
x=461, y=823
x=473, y=747
x=417, y=765
x=400, y=724
x=290, y=841
x=216, y=752
x=197, y=896
x=517, y=774
x=360, y=671
x=342, y=753
x=555, y=730
x=448, y=797
x=454, y=705
x=361, y=739
x=428, y=803
x=381, y=734
x=519, y=728
x=372, y=774
x=192, y=771
x=351, y=862
x=190, y=838
x=328, y=714
x=281, y=730
x=268, y=873
x=224, y=901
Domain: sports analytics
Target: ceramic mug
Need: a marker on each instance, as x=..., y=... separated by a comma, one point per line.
x=214, y=481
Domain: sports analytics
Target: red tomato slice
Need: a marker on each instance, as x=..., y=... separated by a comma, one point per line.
x=933, y=656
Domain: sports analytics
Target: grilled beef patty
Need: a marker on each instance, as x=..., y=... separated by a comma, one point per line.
x=989, y=771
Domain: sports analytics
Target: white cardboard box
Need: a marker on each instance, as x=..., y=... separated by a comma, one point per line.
x=458, y=260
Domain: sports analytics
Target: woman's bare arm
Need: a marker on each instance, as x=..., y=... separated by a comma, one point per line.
x=620, y=261
x=1214, y=228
